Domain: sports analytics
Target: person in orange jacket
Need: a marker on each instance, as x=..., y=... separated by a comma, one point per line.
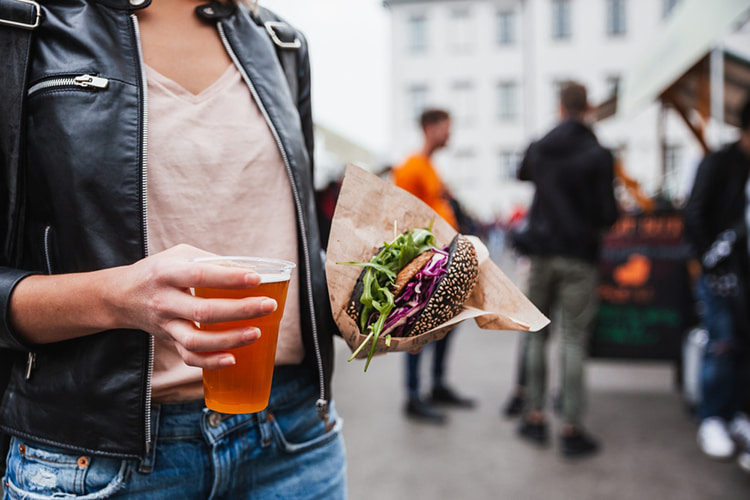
x=418, y=176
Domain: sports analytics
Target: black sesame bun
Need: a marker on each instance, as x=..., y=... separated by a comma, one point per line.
x=452, y=289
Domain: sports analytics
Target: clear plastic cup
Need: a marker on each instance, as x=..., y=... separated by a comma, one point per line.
x=246, y=386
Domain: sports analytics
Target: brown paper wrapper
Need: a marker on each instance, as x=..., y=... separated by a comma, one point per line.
x=370, y=212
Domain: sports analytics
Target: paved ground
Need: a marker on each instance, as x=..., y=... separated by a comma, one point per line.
x=648, y=437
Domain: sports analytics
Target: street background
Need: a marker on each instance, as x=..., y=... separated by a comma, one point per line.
x=648, y=441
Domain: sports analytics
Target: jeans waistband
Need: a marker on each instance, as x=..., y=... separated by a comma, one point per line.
x=289, y=382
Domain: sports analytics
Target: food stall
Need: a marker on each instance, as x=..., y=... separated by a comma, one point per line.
x=646, y=300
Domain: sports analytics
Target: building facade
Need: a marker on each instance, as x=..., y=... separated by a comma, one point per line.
x=498, y=65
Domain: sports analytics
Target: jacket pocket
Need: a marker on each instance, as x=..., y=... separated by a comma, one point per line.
x=47, y=248
x=40, y=247
x=68, y=82
x=37, y=471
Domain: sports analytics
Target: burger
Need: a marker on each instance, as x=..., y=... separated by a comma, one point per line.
x=411, y=286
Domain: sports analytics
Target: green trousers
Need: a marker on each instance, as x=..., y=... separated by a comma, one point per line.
x=567, y=286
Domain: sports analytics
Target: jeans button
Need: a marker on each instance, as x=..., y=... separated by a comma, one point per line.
x=214, y=419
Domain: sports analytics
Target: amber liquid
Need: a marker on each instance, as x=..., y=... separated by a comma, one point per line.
x=246, y=386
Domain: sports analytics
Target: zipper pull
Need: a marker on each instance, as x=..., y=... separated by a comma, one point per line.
x=322, y=407
x=91, y=81
x=30, y=364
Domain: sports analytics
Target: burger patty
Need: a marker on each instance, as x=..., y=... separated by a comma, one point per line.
x=410, y=270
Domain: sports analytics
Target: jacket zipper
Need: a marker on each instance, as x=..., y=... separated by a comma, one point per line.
x=31, y=356
x=321, y=404
x=144, y=214
x=47, y=260
x=83, y=81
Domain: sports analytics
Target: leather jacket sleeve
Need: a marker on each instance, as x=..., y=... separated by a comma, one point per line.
x=9, y=278
x=15, y=45
x=304, y=102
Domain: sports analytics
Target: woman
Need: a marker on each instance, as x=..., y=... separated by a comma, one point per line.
x=157, y=132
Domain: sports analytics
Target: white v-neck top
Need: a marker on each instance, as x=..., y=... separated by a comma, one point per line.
x=216, y=180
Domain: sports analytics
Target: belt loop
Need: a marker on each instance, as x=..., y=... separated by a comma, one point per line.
x=265, y=426
x=147, y=464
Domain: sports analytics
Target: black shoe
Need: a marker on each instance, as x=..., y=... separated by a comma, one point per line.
x=514, y=406
x=534, y=433
x=442, y=395
x=578, y=444
x=419, y=409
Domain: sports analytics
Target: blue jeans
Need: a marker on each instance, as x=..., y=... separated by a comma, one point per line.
x=281, y=452
x=721, y=382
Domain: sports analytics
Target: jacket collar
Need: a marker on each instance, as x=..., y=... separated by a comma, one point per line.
x=209, y=10
x=256, y=53
x=125, y=4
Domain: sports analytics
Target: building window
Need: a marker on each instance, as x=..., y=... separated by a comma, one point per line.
x=417, y=100
x=460, y=34
x=464, y=172
x=417, y=34
x=561, y=19
x=613, y=85
x=667, y=6
x=557, y=87
x=463, y=107
x=507, y=101
x=509, y=161
x=505, y=28
x=615, y=17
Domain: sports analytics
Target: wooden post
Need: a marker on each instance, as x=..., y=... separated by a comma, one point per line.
x=697, y=130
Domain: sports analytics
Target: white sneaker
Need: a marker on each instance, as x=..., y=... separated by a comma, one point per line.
x=739, y=430
x=743, y=460
x=714, y=439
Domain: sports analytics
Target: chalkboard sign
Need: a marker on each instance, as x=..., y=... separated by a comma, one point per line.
x=646, y=301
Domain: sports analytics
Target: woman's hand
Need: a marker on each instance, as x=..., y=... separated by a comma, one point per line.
x=157, y=298
x=153, y=295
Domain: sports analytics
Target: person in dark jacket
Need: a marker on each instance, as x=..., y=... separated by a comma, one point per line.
x=716, y=226
x=157, y=132
x=573, y=203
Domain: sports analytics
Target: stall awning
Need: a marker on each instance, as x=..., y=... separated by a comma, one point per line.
x=692, y=90
x=679, y=48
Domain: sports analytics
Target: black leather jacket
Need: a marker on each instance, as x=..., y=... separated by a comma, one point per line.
x=83, y=190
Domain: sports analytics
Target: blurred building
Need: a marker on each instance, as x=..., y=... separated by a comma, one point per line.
x=498, y=65
x=332, y=153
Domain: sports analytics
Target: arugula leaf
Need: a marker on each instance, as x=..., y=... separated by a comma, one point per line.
x=377, y=299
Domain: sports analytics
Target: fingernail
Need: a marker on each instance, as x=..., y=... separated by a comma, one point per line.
x=268, y=305
x=251, y=334
x=227, y=360
x=251, y=279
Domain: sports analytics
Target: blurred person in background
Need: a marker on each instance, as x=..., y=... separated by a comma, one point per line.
x=716, y=221
x=573, y=204
x=514, y=404
x=418, y=176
